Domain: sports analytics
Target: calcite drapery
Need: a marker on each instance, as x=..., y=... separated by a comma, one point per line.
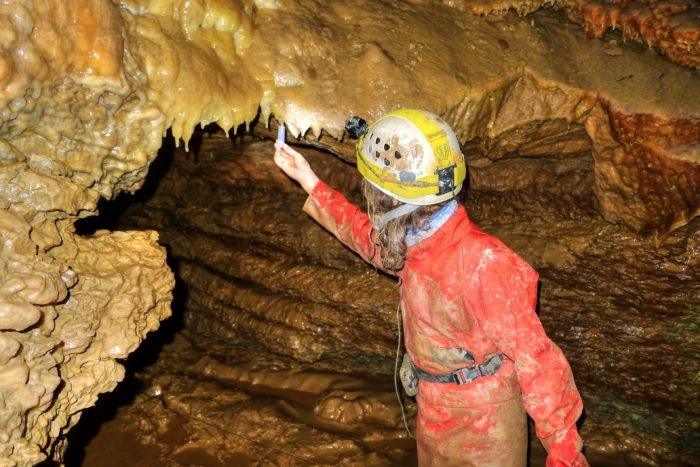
x=670, y=26
x=499, y=81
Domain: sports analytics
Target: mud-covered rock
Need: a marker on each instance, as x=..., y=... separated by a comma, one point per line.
x=257, y=270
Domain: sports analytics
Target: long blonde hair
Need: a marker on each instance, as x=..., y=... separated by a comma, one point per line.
x=392, y=238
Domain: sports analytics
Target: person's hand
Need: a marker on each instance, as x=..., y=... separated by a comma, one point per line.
x=295, y=166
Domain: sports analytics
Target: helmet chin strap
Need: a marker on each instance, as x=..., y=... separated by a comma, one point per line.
x=379, y=222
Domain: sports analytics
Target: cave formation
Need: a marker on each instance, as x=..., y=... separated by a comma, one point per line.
x=137, y=183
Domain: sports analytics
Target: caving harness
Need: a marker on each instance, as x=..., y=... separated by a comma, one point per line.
x=410, y=373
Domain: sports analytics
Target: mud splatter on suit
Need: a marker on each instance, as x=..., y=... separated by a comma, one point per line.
x=464, y=290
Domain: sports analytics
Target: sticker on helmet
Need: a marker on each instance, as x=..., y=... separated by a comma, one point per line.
x=407, y=177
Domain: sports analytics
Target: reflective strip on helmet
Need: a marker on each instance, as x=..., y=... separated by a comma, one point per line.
x=425, y=186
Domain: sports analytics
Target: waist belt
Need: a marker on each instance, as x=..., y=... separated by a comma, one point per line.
x=465, y=375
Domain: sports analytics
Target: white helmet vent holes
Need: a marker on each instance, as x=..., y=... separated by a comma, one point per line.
x=377, y=152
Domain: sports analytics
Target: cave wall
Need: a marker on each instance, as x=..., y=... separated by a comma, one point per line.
x=602, y=134
x=259, y=274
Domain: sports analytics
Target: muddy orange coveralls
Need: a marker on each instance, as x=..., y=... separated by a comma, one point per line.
x=463, y=291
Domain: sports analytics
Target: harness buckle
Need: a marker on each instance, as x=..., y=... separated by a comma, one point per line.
x=459, y=377
x=465, y=375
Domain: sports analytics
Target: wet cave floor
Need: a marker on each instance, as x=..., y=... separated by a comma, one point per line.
x=281, y=347
x=136, y=426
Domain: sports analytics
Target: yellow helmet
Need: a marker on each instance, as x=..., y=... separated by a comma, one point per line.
x=413, y=156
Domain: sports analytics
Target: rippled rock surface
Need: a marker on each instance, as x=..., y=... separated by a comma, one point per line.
x=296, y=329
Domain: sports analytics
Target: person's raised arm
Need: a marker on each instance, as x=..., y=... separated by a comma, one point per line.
x=295, y=166
x=330, y=208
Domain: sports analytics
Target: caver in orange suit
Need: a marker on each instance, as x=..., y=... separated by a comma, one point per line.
x=463, y=289
x=467, y=301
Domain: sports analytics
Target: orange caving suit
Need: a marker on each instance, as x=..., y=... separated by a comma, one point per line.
x=464, y=289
